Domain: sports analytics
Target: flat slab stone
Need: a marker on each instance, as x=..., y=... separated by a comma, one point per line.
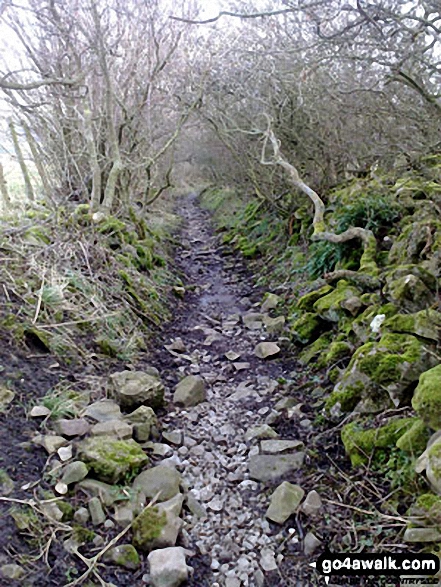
x=272, y=447
x=269, y=468
x=190, y=391
x=70, y=428
x=116, y=428
x=103, y=410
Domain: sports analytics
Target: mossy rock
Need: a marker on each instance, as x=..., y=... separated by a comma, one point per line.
x=411, y=243
x=361, y=326
x=148, y=527
x=393, y=364
x=426, y=400
x=307, y=301
x=112, y=460
x=361, y=445
x=112, y=225
x=329, y=307
x=426, y=511
x=424, y=324
x=315, y=349
x=409, y=293
x=337, y=351
x=307, y=328
x=414, y=440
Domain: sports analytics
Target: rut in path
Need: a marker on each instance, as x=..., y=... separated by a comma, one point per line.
x=235, y=544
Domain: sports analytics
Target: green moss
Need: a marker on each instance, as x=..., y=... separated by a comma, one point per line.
x=426, y=400
x=38, y=235
x=425, y=324
x=337, y=351
x=381, y=361
x=82, y=535
x=307, y=328
x=329, y=307
x=111, y=225
x=307, y=301
x=147, y=527
x=67, y=510
x=348, y=398
x=314, y=349
x=361, y=445
x=112, y=460
x=414, y=440
x=431, y=504
x=368, y=262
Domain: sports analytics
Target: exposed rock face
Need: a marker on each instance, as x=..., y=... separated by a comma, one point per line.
x=284, y=502
x=110, y=459
x=135, y=388
x=190, y=391
x=168, y=567
x=411, y=287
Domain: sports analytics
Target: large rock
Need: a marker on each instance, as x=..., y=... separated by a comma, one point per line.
x=426, y=400
x=307, y=328
x=307, y=301
x=144, y=423
x=134, y=388
x=110, y=460
x=392, y=365
x=425, y=324
x=411, y=288
x=331, y=306
x=271, y=302
x=155, y=528
x=160, y=480
x=284, y=502
x=269, y=468
x=190, y=391
x=168, y=567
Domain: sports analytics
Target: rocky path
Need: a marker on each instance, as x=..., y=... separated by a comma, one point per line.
x=217, y=445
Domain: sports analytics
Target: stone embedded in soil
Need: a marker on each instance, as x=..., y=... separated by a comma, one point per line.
x=144, y=423
x=124, y=555
x=284, y=502
x=313, y=504
x=195, y=507
x=116, y=428
x=155, y=528
x=310, y=543
x=253, y=320
x=279, y=446
x=12, y=571
x=70, y=428
x=177, y=345
x=6, y=397
x=38, y=411
x=264, y=350
x=74, y=472
x=103, y=410
x=271, y=301
x=260, y=431
x=81, y=516
x=123, y=515
x=232, y=355
x=168, y=567
x=161, y=479
x=134, y=388
x=422, y=535
x=96, y=511
x=190, y=391
x=6, y=483
x=241, y=366
x=269, y=468
x=109, y=459
x=51, y=443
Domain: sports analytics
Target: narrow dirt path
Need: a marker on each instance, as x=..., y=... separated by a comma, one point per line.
x=233, y=542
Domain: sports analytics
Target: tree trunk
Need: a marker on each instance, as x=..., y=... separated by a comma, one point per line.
x=24, y=170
